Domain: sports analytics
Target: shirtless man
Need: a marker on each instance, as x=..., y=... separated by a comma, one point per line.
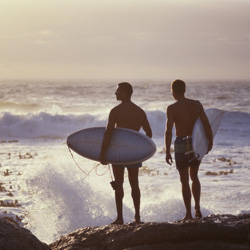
x=125, y=115
x=183, y=115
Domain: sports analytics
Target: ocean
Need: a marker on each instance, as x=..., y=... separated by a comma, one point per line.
x=43, y=188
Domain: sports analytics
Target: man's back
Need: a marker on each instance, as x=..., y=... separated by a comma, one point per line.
x=128, y=115
x=185, y=112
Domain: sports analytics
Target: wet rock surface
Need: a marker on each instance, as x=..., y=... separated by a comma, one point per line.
x=14, y=237
x=211, y=232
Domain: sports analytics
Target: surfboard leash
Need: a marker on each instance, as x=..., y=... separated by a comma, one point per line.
x=95, y=167
x=112, y=183
x=77, y=163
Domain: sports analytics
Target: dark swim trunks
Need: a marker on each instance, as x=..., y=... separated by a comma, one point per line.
x=184, y=155
x=137, y=165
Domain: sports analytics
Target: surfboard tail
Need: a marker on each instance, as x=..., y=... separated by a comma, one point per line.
x=200, y=143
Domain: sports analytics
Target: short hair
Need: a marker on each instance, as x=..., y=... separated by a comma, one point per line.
x=178, y=86
x=127, y=87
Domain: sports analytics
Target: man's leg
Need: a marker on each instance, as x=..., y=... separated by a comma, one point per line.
x=186, y=192
x=135, y=191
x=118, y=172
x=196, y=190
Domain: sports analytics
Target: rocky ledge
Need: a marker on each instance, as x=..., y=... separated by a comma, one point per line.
x=211, y=232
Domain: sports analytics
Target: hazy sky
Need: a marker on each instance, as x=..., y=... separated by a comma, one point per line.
x=194, y=39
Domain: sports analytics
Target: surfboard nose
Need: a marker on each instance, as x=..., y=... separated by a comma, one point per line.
x=68, y=143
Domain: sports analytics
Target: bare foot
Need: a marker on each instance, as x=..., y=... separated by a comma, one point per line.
x=198, y=214
x=187, y=217
x=137, y=220
x=117, y=222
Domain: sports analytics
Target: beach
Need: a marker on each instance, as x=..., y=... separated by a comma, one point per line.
x=42, y=188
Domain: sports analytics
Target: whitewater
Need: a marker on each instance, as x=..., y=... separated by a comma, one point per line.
x=42, y=187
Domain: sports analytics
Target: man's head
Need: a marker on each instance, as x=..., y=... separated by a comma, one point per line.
x=178, y=88
x=124, y=90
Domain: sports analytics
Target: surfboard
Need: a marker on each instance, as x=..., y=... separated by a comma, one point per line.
x=199, y=138
x=126, y=147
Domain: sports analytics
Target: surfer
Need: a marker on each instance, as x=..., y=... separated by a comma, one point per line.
x=183, y=114
x=125, y=115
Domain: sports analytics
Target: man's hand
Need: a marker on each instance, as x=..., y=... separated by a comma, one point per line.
x=169, y=159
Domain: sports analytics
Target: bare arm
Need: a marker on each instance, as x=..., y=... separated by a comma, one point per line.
x=168, y=135
x=107, y=137
x=207, y=128
x=146, y=127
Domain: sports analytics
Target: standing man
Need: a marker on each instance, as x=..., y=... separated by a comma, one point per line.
x=183, y=114
x=125, y=115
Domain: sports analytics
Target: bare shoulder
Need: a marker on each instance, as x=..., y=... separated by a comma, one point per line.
x=195, y=104
x=116, y=108
x=114, y=111
x=137, y=107
x=172, y=108
x=198, y=103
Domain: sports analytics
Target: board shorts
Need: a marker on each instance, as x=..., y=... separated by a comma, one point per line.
x=137, y=165
x=184, y=154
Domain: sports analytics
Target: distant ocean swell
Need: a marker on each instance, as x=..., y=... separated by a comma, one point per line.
x=49, y=126
x=44, y=125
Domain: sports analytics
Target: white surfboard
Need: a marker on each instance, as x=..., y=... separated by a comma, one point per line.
x=199, y=138
x=126, y=147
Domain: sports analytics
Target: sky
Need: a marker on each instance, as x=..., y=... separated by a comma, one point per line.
x=125, y=39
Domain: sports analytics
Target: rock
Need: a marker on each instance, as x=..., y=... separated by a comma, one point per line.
x=14, y=237
x=212, y=232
